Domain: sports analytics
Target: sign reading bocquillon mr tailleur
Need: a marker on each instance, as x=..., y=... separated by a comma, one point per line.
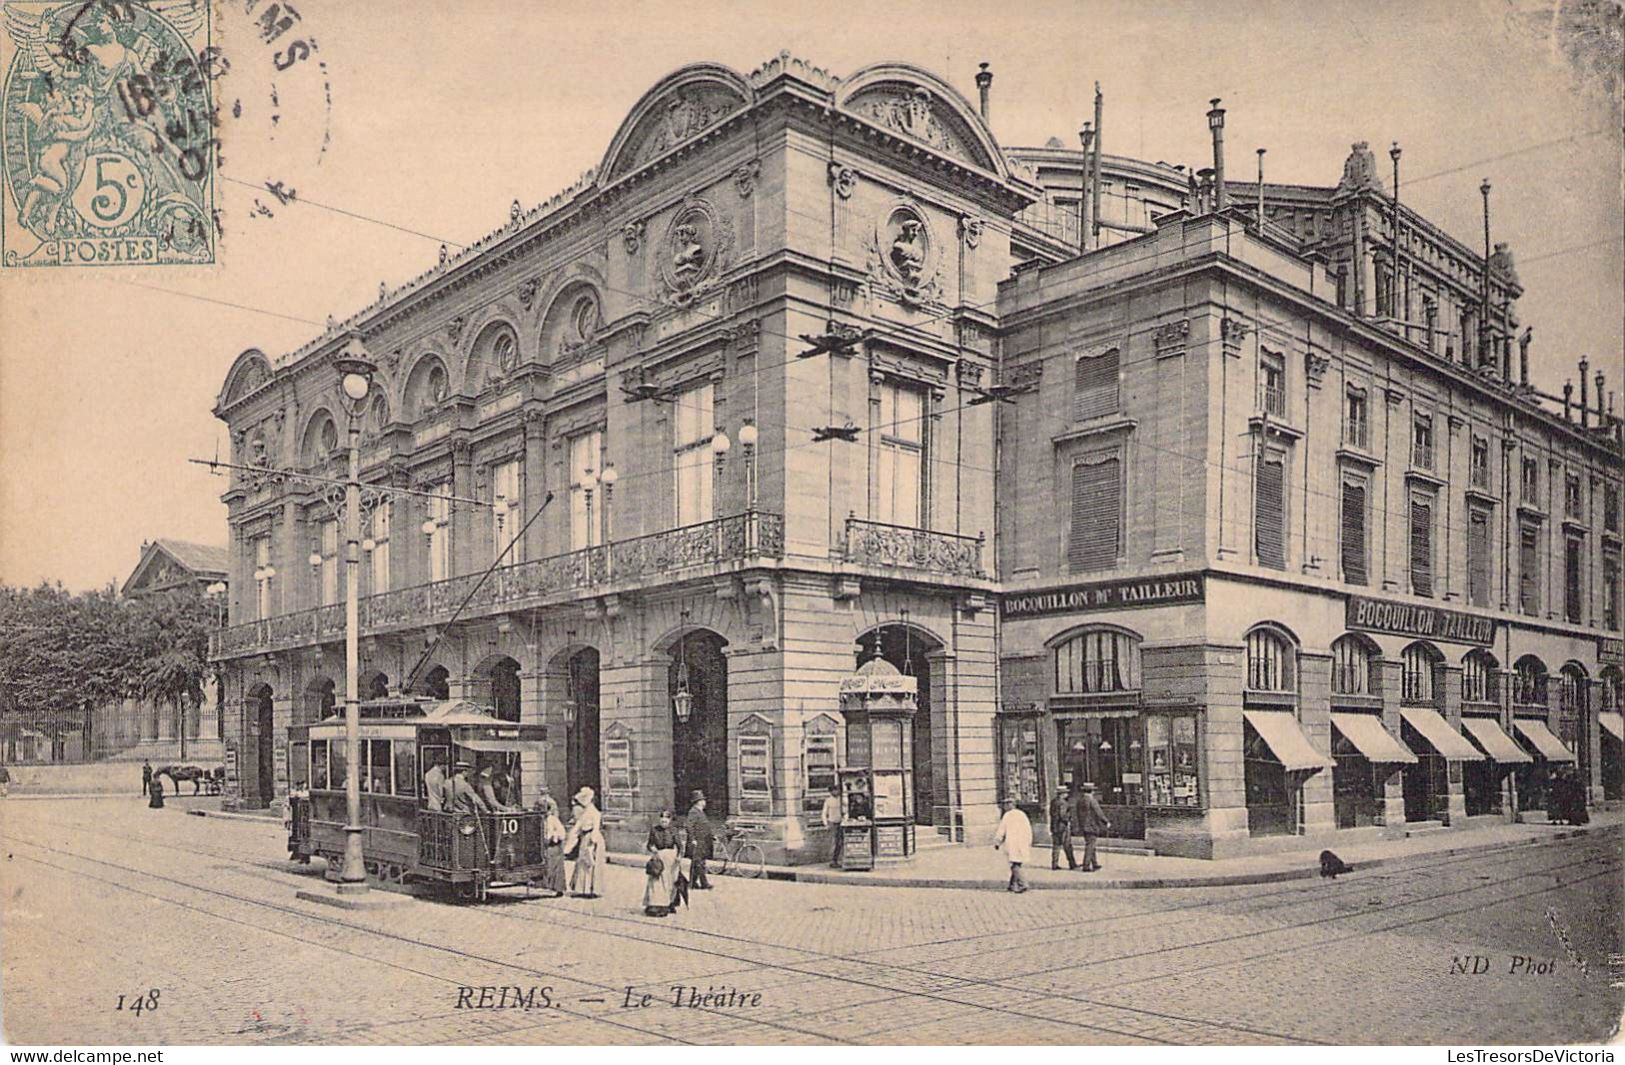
x=1412, y=619
x=1106, y=595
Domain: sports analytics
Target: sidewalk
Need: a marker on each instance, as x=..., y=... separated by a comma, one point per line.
x=983, y=867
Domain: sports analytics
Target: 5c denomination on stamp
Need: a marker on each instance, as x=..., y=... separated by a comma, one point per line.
x=108, y=133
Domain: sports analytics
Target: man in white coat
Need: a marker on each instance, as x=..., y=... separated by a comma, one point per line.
x=1015, y=839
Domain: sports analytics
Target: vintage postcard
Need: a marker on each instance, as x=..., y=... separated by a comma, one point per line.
x=531, y=524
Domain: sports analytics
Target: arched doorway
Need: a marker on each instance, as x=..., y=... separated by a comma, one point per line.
x=909, y=648
x=581, y=736
x=376, y=686
x=505, y=689
x=319, y=701
x=261, y=730
x=699, y=748
x=437, y=683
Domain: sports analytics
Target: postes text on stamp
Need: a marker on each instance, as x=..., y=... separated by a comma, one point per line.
x=108, y=133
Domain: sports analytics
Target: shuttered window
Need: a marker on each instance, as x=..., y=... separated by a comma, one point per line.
x=1094, y=389
x=1096, y=515
x=1270, y=513
x=1354, y=569
x=1478, y=558
x=1529, y=570
x=1421, y=547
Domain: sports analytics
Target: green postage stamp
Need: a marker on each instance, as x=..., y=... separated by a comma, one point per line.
x=109, y=140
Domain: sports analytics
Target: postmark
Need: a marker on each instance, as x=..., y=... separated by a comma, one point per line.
x=109, y=146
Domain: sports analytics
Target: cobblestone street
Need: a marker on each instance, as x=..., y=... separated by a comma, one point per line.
x=106, y=898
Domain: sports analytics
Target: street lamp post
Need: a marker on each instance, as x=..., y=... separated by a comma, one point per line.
x=356, y=371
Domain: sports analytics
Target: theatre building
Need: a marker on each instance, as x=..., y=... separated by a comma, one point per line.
x=730, y=522
x=1279, y=564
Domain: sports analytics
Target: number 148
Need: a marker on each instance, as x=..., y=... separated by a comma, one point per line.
x=139, y=1002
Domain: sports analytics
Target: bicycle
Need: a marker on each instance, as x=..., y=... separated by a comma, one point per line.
x=739, y=854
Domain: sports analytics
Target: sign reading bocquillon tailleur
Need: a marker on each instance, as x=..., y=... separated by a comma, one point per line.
x=1106, y=595
x=1413, y=619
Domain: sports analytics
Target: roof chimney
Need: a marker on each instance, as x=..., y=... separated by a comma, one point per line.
x=1602, y=423
x=1585, y=394
x=1568, y=400
x=984, y=86
x=1215, y=122
x=1523, y=355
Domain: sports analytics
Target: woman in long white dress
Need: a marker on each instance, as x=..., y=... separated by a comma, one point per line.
x=586, y=838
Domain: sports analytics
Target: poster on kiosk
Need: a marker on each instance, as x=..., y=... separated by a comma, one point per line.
x=878, y=703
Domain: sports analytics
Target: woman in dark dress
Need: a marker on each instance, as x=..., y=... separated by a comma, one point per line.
x=662, y=848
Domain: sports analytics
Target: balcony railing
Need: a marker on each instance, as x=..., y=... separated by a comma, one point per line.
x=740, y=538
x=873, y=543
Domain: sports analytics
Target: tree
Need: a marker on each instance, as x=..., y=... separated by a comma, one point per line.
x=174, y=651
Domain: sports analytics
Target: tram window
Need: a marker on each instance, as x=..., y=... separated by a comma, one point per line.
x=298, y=766
x=337, y=766
x=378, y=767
x=318, y=765
x=406, y=768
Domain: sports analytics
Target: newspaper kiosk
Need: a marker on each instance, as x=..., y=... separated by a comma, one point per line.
x=878, y=703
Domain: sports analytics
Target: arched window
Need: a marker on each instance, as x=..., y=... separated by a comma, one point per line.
x=1572, y=696
x=321, y=440
x=1610, y=689
x=1352, y=658
x=1418, y=662
x=1529, y=687
x=1480, y=679
x=1272, y=662
x=1100, y=660
x=428, y=387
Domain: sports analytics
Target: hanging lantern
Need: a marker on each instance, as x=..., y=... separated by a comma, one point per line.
x=682, y=700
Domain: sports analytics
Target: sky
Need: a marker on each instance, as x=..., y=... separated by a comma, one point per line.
x=414, y=122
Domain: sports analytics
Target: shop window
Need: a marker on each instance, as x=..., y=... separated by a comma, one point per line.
x=1271, y=662
x=1098, y=661
x=1480, y=679
x=1171, y=776
x=1573, y=690
x=1417, y=673
x=1020, y=760
x=1529, y=681
x=819, y=764
x=1094, y=390
x=754, y=745
x=1610, y=690
x=1352, y=660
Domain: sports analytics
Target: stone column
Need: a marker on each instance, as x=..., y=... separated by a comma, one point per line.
x=632, y=694
x=1447, y=700
x=463, y=515
x=1512, y=801
x=535, y=486
x=541, y=772
x=1222, y=831
x=1390, y=673
x=1315, y=716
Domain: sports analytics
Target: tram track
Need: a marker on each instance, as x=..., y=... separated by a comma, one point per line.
x=1284, y=899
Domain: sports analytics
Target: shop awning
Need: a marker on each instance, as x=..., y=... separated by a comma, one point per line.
x=1280, y=730
x=1496, y=742
x=1365, y=731
x=1446, y=740
x=1612, y=722
x=1550, y=747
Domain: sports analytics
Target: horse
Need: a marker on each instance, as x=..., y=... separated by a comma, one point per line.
x=177, y=773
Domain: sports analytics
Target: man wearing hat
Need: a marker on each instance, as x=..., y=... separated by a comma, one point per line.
x=1060, y=827
x=701, y=839
x=1091, y=822
x=461, y=796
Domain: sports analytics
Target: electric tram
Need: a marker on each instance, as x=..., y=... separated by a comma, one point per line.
x=403, y=837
